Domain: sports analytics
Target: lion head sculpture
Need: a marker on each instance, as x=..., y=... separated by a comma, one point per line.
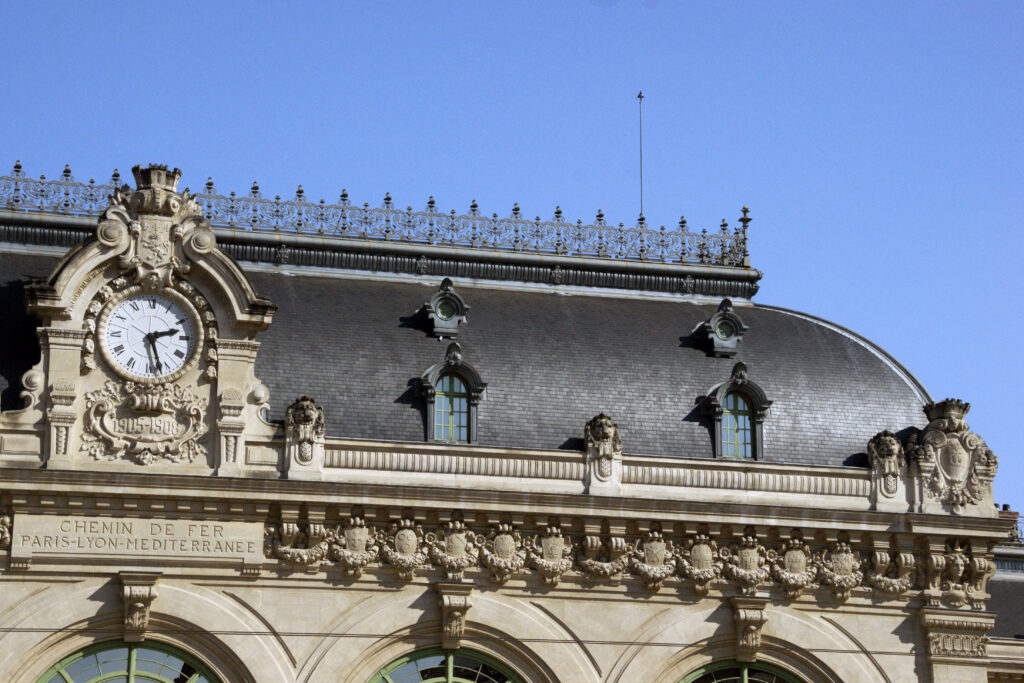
x=603, y=444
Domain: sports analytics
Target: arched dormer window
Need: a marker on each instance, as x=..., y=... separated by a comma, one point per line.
x=738, y=408
x=737, y=419
x=451, y=409
x=452, y=390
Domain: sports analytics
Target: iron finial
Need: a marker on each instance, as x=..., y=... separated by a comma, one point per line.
x=67, y=172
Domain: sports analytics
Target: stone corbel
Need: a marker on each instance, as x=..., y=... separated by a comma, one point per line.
x=138, y=590
x=455, y=601
x=750, y=618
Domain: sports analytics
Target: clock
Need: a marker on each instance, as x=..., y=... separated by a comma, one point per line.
x=149, y=337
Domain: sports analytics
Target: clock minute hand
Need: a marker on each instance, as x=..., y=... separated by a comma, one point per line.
x=151, y=340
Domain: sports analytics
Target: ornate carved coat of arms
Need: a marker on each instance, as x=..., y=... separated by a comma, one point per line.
x=502, y=552
x=653, y=559
x=700, y=562
x=549, y=553
x=453, y=548
x=745, y=562
x=955, y=463
x=841, y=567
x=355, y=546
x=144, y=422
x=793, y=565
x=402, y=547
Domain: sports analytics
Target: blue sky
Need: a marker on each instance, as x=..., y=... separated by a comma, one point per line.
x=880, y=146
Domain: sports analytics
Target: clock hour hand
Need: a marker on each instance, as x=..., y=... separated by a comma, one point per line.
x=157, y=335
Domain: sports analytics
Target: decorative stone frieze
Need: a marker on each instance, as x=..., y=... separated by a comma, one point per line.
x=403, y=547
x=750, y=617
x=793, y=566
x=952, y=467
x=550, y=553
x=144, y=423
x=453, y=548
x=841, y=567
x=653, y=559
x=455, y=601
x=502, y=552
x=745, y=562
x=304, y=439
x=700, y=562
x=138, y=591
x=604, y=456
x=956, y=635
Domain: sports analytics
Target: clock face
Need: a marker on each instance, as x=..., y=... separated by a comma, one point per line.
x=149, y=336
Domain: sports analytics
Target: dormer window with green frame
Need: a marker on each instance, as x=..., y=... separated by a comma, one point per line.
x=452, y=391
x=451, y=409
x=737, y=418
x=738, y=408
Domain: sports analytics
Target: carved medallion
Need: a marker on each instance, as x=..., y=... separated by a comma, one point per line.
x=144, y=423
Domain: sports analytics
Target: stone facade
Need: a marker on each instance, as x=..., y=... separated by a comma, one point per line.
x=165, y=507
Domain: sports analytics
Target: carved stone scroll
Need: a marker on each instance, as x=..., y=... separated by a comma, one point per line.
x=144, y=423
x=138, y=591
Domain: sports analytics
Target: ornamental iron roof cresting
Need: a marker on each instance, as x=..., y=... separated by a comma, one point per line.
x=724, y=247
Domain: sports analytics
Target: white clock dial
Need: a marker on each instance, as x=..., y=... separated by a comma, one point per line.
x=149, y=336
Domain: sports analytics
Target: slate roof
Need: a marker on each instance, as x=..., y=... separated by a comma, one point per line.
x=551, y=362
x=1008, y=603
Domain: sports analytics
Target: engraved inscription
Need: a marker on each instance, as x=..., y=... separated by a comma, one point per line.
x=45, y=535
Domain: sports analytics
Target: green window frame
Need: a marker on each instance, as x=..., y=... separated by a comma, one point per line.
x=451, y=409
x=119, y=662
x=445, y=666
x=737, y=427
x=740, y=672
